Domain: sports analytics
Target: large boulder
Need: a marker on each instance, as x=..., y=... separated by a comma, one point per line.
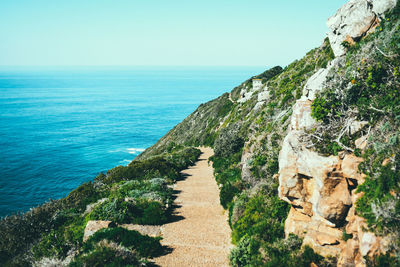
x=382, y=6
x=354, y=20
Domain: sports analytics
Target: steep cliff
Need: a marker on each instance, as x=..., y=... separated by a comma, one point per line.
x=338, y=124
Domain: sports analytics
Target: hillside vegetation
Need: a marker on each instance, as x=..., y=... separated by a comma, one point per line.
x=355, y=113
x=139, y=193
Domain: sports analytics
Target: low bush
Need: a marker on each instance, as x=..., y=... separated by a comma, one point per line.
x=264, y=217
x=60, y=240
x=281, y=252
x=270, y=73
x=139, y=211
x=107, y=256
x=82, y=196
x=384, y=260
x=228, y=141
x=133, y=194
x=18, y=232
x=228, y=175
x=139, y=170
x=246, y=253
x=145, y=246
x=227, y=193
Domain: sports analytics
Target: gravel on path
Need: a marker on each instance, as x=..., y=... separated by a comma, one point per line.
x=200, y=236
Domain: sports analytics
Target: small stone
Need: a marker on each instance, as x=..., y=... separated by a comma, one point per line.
x=386, y=162
x=361, y=143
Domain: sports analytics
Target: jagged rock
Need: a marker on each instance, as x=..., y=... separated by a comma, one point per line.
x=319, y=188
x=349, y=253
x=350, y=167
x=335, y=199
x=368, y=243
x=245, y=96
x=297, y=223
x=331, y=250
x=314, y=84
x=381, y=6
x=325, y=239
x=246, y=166
x=91, y=206
x=354, y=20
x=386, y=161
x=356, y=126
x=301, y=117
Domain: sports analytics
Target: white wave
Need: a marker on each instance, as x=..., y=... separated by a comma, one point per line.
x=130, y=150
x=135, y=150
x=114, y=151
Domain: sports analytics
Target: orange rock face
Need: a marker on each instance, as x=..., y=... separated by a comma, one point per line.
x=322, y=193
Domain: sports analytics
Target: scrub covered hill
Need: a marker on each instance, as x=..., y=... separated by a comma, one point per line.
x=139, y=193
x=307, y=165
x=310, y=161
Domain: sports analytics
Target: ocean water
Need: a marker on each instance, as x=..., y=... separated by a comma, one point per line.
x=61, y=126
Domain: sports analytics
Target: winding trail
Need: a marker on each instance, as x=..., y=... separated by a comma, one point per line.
x=201, y=234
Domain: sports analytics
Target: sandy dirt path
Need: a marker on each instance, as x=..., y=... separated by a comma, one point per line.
x=201, y=237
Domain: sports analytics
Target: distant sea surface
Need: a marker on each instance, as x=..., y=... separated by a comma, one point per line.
x=60, y=127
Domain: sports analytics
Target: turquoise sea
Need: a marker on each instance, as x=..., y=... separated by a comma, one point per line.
x=61, y=126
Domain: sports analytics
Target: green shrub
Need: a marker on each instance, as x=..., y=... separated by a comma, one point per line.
x=320, y=109
x=18, y=232
x=140, y=211
x=147, y=169
x=269, y=74
x=378, y=189
x=106, y=257
x=246, y=253
x=54, y=244
x=144, y=245
x=384, y=260
x=263, y=217
x=281, y=252
x=61, y=239
x=229, y=176
x=227, y=193
x=183, y=158
x=228, y=141
x=82, y=196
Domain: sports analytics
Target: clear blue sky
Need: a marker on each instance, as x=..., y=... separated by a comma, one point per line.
x=161, y=32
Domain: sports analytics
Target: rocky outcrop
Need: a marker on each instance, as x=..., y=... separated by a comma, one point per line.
x=355, y=20
x=321, y=189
